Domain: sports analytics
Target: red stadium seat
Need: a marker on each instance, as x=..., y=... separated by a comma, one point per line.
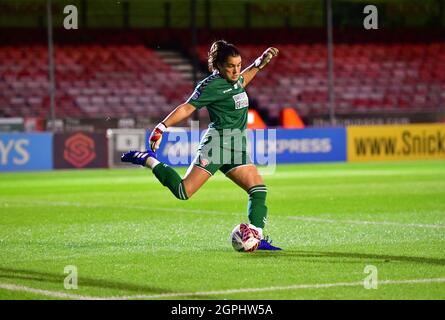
x=93, y=79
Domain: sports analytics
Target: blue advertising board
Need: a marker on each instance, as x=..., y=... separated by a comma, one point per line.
x=284, y=145
x=26, y=151
x=311, y=145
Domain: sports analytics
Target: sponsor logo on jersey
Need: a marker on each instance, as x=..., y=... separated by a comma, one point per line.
x=241, y=100
x=228, y=90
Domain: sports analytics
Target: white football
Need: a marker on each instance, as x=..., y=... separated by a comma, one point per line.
x=245, y=238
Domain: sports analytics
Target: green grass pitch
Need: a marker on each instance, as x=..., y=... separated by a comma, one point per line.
x=129, y=238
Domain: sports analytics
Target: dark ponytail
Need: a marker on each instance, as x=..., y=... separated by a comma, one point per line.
x=219, y=52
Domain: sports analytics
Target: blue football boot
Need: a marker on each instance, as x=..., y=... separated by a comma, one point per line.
x=266, y=244
x=137, y=157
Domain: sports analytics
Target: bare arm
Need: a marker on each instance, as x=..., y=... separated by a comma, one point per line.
x=181, y=112
x=249, y=73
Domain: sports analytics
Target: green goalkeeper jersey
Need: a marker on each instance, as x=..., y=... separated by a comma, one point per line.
x=226, y=102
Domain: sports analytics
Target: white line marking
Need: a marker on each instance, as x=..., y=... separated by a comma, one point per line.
x=55, y=294
x=387, y=223
x=58, y=294
x=198, y=211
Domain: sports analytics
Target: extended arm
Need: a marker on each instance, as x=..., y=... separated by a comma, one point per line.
x=250, y=72
x=181, y=112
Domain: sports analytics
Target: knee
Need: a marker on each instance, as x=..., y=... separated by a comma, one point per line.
x=188, y=195
x=187, y=191
x=189, y=188
x=180, y=197
x=181, y=193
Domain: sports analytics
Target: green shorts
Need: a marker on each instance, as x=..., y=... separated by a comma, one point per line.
x=222, y=151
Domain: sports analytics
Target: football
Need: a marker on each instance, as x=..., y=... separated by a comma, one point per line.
x=245, y=238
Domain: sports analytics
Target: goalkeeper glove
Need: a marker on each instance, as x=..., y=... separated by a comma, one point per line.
x=265, y=58
x=156, y=136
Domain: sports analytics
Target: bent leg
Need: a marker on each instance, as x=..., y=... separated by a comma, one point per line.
x=183, y=189
x=170, y=179
x=194, y=179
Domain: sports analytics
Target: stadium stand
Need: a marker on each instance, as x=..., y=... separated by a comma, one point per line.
x=368, y=77
x=92, y=81
x=132, y=80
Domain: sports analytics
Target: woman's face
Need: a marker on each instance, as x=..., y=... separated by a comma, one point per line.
x=231, y=69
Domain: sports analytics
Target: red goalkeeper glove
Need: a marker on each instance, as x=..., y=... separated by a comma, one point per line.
x=156, y=136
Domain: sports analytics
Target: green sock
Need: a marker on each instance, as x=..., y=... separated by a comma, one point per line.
x=169, y=178
x=256, y=208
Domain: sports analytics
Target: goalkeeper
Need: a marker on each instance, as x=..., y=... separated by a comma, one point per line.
x=224, y=145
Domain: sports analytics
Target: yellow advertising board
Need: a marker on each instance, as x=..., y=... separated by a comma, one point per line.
x=396, y=142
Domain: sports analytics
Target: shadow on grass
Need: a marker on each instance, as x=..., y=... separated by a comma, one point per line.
x=46, y=277
x=349, y=255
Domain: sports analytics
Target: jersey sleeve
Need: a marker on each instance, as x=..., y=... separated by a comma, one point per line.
x=203, y=96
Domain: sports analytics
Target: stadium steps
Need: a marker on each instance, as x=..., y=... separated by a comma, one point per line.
x=179, y=63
